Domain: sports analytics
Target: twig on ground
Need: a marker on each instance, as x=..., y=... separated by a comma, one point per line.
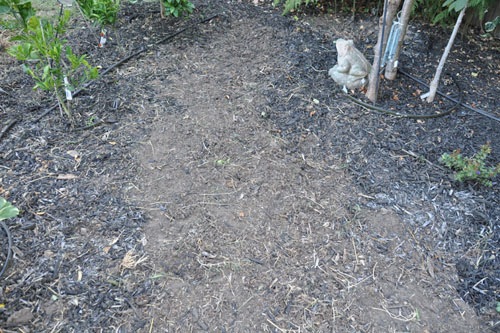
x=413, y=316
x=9, y=246
x=420, y=157
x=7, y=127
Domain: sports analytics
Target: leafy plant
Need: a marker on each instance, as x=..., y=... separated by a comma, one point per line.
x=21, y=10
x=335, y=6
x=7, y=210
x=471, y=168
x=293, y=4
x=445, y=13
x=178, y=8
x=102, y=11
x=49, y=61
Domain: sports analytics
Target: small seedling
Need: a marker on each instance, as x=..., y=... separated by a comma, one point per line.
x=222, y=162
x=471, y=168
x=91, y=121
x=7, y=210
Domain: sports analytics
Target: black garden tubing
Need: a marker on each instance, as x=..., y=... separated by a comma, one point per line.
x=366, y=105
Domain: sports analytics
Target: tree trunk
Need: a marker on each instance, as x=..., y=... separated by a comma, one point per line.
x=435, y=81
x=390, y=11
x=391, y=68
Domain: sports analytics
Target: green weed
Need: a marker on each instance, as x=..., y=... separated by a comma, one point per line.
x=7, y=210
x=471, y=168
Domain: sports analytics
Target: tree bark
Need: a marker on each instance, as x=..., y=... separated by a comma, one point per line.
x=383, y=34
x=391, y=68
x=435, y=81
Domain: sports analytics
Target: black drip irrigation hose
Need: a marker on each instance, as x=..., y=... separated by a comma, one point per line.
x=457, y=102
x=481, y=112
x=9, y=247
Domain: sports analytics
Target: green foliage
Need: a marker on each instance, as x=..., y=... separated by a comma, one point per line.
x=178, y=8
x=447, y=12
x=293, y=4
x=471, y=168
x=432, y=11
x=7, y=210
x=21, y=10
x=48, y=60
x=102, y=11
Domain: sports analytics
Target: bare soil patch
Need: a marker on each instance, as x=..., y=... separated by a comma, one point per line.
x=225, y=185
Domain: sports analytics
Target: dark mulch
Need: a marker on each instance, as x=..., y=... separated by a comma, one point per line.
x=395, y=161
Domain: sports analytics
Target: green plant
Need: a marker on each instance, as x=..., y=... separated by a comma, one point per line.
x=178, y=8
x=445, y=13
x=49, y=61
x=21, y=10
x=102, y=11
x=293, y=4
x=91, y=121
x=471, y=168
x=7, y=210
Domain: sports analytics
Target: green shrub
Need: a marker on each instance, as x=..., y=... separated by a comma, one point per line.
x=102, y=11
x=49, y=61
x=178, y=8
x=293, y=4
x=471, y=168
x=446, y=13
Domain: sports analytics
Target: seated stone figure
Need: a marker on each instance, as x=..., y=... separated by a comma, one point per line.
x=352, y=68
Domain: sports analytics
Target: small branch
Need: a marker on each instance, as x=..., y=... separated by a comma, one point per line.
x=9, y=247
x=7, y=127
